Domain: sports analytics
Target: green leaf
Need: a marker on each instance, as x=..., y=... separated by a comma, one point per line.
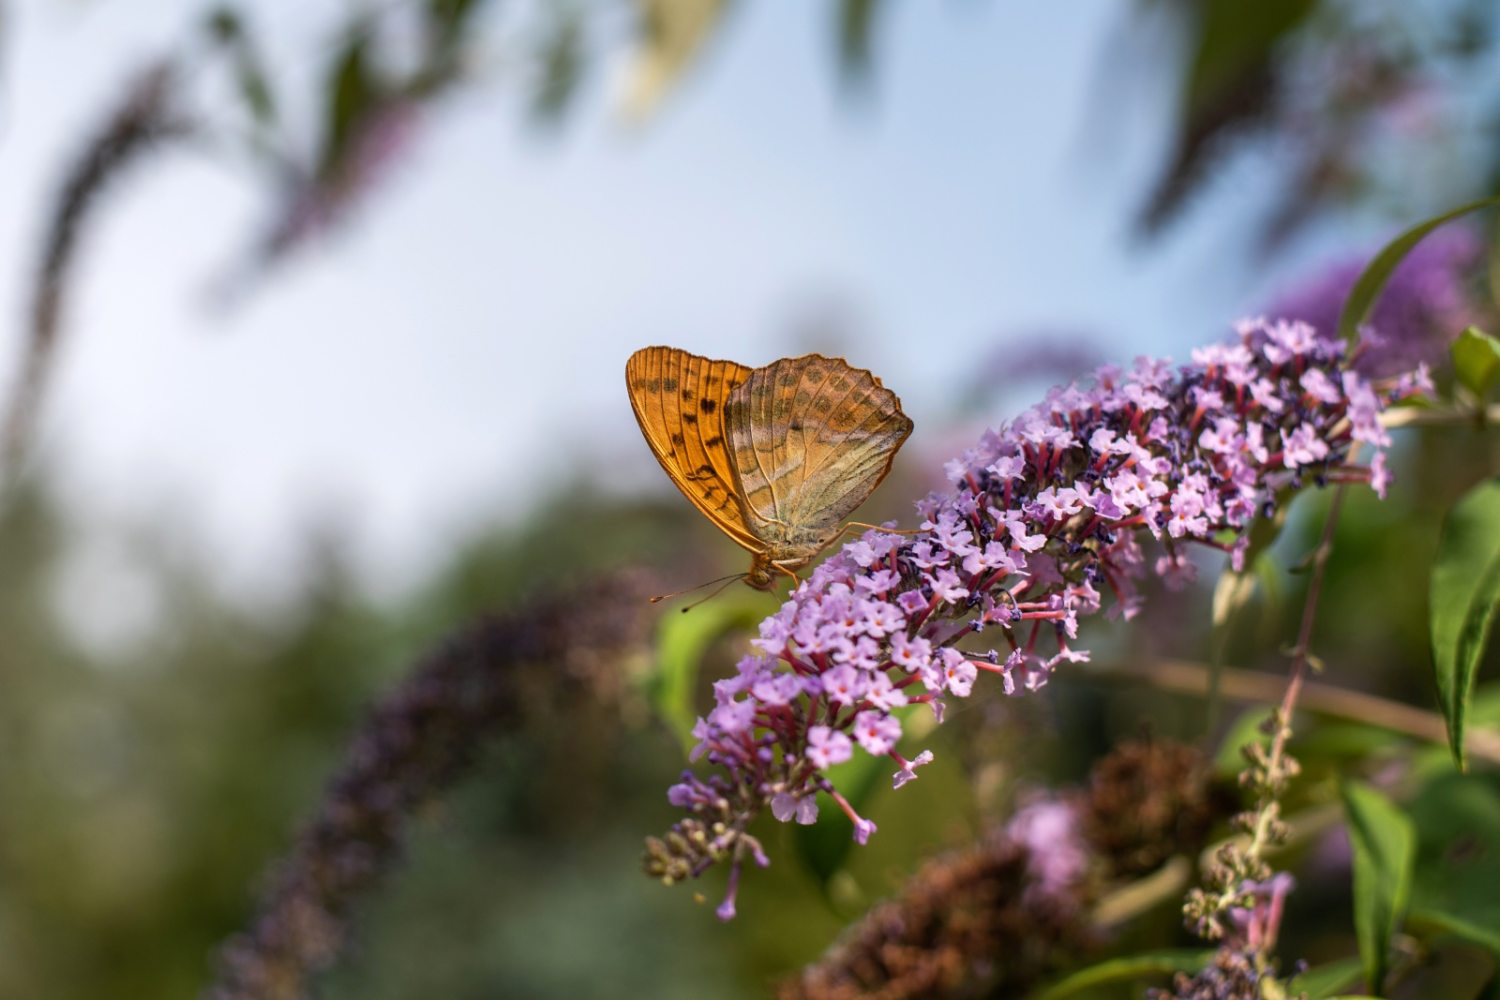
x=1476, y=361
x=1324, y=981
x=1384, y=853
x=1436, y=922
x=352, y=92
x=1366, y=291
x=682, y=639
x=1232, y=49
x=1464, y=591
x=1234, y=39
x=1231, y=594
x=228, y=29
x=1457, y=820
x=562, y=65
x=856, y=33
x=449, y=23
x=1155, y=963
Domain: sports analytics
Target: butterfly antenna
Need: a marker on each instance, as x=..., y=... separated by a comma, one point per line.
x=726, y=580
x=716, y=593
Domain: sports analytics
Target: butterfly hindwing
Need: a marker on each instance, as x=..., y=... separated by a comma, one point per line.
x=812, y=438
x=680, y=402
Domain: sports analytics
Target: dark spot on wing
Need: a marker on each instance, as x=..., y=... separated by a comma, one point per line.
x=687, y=395
x=707, y=405
x=689, y=418
x=677, y=439
x=669, y=385
x=714, y=442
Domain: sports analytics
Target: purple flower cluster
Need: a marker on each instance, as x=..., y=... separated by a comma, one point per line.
x=1427, y=301
x=1058, y=857
x=1046, y=516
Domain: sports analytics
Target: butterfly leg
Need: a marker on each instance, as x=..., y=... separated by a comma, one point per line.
x=796, y=580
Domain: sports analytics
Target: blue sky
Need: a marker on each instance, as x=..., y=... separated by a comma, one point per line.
x=410, y=378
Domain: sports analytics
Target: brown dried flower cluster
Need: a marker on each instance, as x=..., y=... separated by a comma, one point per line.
x=974, y=923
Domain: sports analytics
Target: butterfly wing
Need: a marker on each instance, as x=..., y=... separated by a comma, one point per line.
x=679, y=401
x=812, y=438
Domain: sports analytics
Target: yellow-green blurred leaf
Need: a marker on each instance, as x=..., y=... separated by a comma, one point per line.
x=670, y=37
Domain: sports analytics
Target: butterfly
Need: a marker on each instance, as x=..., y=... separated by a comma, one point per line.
x=776, y=457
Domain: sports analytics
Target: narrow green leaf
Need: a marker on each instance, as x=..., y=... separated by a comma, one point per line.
x=1233, y=40
x=227, y=28
x=562, y=66
x=856, y=35
x=1155, y=963
x=1323, y=981
x=681, y=642
x=1437, y=922
x=449, y=23
x=1476, y=361
x=1464, y=591
x=1231, y=593
x=351, y=92
x=1366, y=291
x=1384, y=853
x=1457, y=820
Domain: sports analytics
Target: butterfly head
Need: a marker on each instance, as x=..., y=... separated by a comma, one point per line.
x=766, y=569
x=760, y=576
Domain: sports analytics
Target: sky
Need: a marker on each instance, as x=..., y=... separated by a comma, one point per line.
x=456, y=352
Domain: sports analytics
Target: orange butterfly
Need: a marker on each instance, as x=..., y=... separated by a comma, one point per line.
x=776, y=457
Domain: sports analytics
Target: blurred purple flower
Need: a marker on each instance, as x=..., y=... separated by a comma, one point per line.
x=1058, y=858
x=382, y=137
x=1427, y=302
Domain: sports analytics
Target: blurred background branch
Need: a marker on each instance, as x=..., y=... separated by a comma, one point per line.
x=571, y=648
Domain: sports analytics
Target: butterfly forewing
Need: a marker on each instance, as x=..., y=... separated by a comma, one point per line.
x=680, y=401
x=812, y=438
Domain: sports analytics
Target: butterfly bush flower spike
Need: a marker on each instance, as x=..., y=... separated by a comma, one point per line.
x=1047, y=522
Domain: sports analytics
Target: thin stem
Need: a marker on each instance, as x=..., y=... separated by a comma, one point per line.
x=1448, y=416
x=1239, y=684
x=1269, y=769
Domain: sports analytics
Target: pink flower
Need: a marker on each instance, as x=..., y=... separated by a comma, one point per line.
x=877, y=732
x=827, y=747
